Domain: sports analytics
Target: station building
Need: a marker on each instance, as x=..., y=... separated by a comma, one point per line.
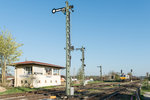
x=36, y=74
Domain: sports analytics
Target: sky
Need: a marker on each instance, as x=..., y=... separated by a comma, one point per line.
x=115, y=33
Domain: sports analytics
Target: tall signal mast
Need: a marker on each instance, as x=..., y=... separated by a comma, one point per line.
x=101, y=77
x=83, y=65
x=67, y=10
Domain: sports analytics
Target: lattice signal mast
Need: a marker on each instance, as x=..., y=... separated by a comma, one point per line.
x=67, y=10
x=83, y=65
x=101, y=77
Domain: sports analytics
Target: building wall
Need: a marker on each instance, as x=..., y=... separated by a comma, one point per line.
x=42, y=80
x=19, y=73
x=38, y=79
x=45, y=80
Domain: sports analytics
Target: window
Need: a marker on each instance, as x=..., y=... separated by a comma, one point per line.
x=56, y=81
x=48, y=71
x=37, y=73
x=45, y=81
x=26, y=81
x=50, y=81
x=28, y=70
x=39, y=81
x=38, y=70
x=21, y=81
x=56, y=71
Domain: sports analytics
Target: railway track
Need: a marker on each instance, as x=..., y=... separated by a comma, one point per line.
x=104, y=94
x=113, y=92
x=35, y=95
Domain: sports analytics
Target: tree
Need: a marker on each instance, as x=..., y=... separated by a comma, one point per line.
x=114, y=75
x=80, y=74
x=9, y=52
x=130, y=75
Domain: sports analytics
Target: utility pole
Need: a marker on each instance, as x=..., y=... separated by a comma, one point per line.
x=147, y=75
x=74, y=70
x=121, y=71
x=67, y=10
x=83, y=65
x=131, y=74
x=101, y=78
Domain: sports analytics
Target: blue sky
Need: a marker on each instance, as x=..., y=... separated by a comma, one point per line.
x=115, y=33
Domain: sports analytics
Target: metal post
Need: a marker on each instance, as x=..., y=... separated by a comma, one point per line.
x=131, y=74
x=147, y=75
x=101, y=77
x=101, y=73
x=121, y=71
x=68, y=57
x=83, y=77
x=68, y=48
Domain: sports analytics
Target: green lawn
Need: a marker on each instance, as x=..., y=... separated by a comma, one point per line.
x=25, y=89
x=49, y=87
x=145, y=87
x=18, y=90
x=94, y=82
x=75, y=84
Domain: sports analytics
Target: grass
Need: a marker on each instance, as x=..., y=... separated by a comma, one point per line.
x=18, y=90
x=94, y=82
x=48, y=87
x=144, y=89
x=76, y=84
x=24, y=89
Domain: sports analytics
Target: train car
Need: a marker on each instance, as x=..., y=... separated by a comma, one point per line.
x=124, y=77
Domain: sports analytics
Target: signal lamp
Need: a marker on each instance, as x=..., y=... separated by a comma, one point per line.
x=54, y=11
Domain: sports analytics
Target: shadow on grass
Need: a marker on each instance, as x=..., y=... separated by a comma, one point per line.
x=113, y=81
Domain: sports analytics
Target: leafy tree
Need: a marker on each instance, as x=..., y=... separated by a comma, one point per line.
x=9, y=52
x=115, y=75
x=130, y=75
x=80, y=74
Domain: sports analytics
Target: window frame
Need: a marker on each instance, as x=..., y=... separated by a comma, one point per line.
x=28, y=70
x=48, y=71
x=56, y=71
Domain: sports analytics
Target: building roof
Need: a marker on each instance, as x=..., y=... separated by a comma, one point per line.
x=37, y=63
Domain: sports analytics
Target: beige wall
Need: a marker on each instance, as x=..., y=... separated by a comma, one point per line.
x=19, y=71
